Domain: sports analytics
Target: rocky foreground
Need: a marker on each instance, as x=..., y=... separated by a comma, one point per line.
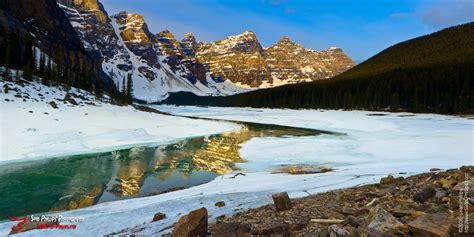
x=438, y=203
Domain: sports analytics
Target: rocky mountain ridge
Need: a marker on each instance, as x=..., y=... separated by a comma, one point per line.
x=160, y=64
x=126, y=46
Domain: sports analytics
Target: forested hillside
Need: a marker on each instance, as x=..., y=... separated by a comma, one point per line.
x=37, y=38
x=433, y=73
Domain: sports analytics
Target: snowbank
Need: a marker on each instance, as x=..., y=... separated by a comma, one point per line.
x=32, y=129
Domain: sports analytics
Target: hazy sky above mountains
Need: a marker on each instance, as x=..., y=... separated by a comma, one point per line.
x=361, y=28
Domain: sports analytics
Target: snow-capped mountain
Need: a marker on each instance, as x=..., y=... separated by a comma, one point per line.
x=290, y=62
x=238, y=58
x=160, y=64
x=242, y=60
x=126, y=46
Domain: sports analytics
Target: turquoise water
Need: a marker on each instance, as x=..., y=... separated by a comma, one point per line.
x=73, y=182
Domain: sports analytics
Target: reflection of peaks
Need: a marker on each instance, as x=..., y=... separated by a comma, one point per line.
x=216, y=154
x=129, y=178
x=79, y=200
x=219, y=155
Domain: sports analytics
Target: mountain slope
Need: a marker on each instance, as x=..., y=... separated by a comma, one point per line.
x=433, y=73
x=33, y=31
x=126, y=46
x=159, y=64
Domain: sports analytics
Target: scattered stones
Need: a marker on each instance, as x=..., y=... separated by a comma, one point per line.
x=390, y=180
x=431, y=224
x=53, y=104
x=362, y=210
x=349, y=211
x=424, y=195
x=219, y=204
x=369, y=232
x=401, y=213
x=158, y=217
x=278, y=229
x=282, y=201
x=298, y=223
x=352, y=221
x=192, y=225
x=381, y=220
x=386, y=180
x=445, y=183
x=337, y=231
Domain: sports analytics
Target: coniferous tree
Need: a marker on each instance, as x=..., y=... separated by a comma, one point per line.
x=5, y=88
x=130, y=88
x=27, y=74
x=7, y=75
x=124, y=88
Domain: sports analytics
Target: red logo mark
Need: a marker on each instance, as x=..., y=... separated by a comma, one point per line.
x=18, y=227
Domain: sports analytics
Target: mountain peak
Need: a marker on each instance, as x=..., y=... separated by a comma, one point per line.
x=189, y=35
x=248, y=32
x=87, y=5
x=165, y=34
x=133, y=27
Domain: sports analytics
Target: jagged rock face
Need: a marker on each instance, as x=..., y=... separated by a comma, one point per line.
x=189, y=45
x=294, y=63
x=138, y=39
x=178, y=60
x=160, y=64
x=125, y=46
x=99, y=37
x=133, y=28
x=240, y=59
x=168, y=44
x=91, y=6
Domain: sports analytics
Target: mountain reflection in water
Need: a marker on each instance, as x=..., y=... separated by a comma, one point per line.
x=79, y=181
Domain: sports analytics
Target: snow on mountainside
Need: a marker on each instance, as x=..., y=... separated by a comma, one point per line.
x=160, y=64
x=125, y=45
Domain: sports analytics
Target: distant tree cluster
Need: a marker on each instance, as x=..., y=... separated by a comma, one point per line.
x=434, y=73
x=19, y=52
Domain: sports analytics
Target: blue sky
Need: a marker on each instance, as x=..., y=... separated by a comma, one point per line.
x=361, y=28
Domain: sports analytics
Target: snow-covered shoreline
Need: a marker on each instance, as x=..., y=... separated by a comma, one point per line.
x=397, y=144
x=32, y=129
